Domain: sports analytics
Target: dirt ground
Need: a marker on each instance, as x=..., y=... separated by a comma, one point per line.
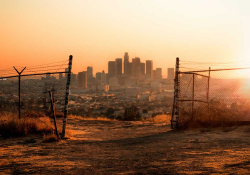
x=115, y=147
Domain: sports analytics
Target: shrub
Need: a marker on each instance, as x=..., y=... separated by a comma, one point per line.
x=131, y=114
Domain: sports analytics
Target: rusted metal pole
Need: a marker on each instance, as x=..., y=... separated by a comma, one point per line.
x=52, y=102
x=175, y=110
x=67, y=97
x=193, y=97
x=19, y=95
x=19, y=90
x=208, y=90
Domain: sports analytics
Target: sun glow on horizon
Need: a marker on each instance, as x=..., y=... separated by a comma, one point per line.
x=95, y=32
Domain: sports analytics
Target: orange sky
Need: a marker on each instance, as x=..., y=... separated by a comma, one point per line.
x=95, y=31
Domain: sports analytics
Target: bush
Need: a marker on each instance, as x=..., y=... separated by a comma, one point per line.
x=131, y=114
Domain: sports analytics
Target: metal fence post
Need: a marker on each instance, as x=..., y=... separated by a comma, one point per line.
x=19, y=90
x=193, y=96
x=52, y=103
x=175, y=110
x=208, y=89
x=67, y=97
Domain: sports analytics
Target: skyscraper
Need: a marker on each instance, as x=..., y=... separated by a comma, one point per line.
x=98, y=76
x=126, y=63
x=158, y=73
x=82, y=79
x=111, y=68
x=142, y=65
x=171, y=73
x=129, y=69
x=103, y=76
x=149, y=69
x=73, y=78
x=90, y=72
x=135, y=64
x=118, y=65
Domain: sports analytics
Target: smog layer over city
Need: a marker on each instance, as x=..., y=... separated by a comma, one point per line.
x=125, y=87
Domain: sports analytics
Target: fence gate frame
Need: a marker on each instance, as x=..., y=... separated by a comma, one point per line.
x=176, y=108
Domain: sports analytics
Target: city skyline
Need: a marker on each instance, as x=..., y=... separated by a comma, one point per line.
x=123, y=66
x=123, y=62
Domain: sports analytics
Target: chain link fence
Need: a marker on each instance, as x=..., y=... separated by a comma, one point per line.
x=207, y=96
x=35, y=82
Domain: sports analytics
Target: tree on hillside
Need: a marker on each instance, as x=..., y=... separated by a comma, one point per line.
x=132, y=114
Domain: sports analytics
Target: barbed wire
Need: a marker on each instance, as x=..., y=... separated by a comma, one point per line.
x=36, y=69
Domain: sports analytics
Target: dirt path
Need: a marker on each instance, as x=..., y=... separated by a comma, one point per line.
x=113, y=147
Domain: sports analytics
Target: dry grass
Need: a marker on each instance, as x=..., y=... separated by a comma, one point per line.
x=159, y=119
x=89, y=118
x=219, y=115
x=12, y=126
x=47, y=138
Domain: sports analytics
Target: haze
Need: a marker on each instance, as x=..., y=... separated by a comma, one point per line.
x=96, y=31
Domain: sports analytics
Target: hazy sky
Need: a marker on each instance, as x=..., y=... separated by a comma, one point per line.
x=94, y=31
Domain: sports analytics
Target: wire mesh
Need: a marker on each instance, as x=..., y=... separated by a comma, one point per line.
x=211, y=97
x=35, y=82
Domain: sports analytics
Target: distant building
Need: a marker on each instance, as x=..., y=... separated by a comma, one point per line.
x=142, y=66
x=82, y=79
x=103, y=76
x=98, y=76
x=118, y=66
x=171, y=73
x=130, y=82
x=156, y=86
x=149, y=69
x=89, y=72
x=154, y=74
x=126, y=64
x=130, y=69
x=107, y=76
x=103, y=87
x=113, y=81
x=135, y=65
x=158, y=74
x=73, y=78
x=111, y=69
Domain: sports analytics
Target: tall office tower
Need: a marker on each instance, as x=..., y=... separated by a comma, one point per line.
x=158, y=73
x=73, y=78
x=135, y=64
x=82, y=79
x=126, y=64
x=89, y=72
x=171, y=73
x=107, y=76
x=118, y=65
x=103, y=76
x=154, y=74
x=98, y=76
x=129, y=69
x=142, y=65
x=149, y=69
x=111, y=68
